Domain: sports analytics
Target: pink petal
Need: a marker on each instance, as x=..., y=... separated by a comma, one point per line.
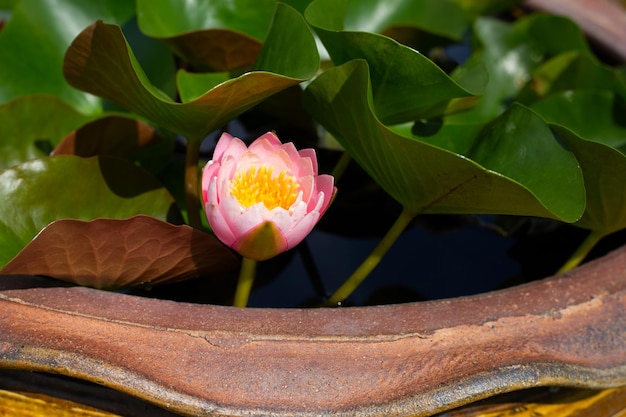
x=218, y=223
x=307, y=187
x=248, y=160
x=269, y=155
x=225, y=174
x=326, y=184
x=271, y=138
x=312, y=156
x=304, y=167
x=302, y=229
x=297, y=212
x=241, y=220
x=222, y=144
x=209, y=171
x=228, y=145
x=290, y=149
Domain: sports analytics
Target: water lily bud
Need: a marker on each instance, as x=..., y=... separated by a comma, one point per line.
x=263, y=199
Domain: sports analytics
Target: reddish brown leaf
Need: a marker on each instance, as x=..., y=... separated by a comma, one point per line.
x=111, y=135
x=114, y=253
x=215, y=49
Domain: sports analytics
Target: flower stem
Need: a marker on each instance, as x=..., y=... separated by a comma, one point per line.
x=192, y=199
x=372, y=260
x=583, y=250
x=244, y=285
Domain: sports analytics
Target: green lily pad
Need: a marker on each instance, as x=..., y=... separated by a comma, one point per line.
x=511, y=52
x=31, y=126
x=604, y=170
x=597, y=115
x=37, y=192
x=572, y=71
x=485, y=7
x=100, y=62
x=406, y=84
x=193, y=85
x=220, y=35
x=120, y=253
x=121, y=136
x=33, y=42
x=593, y=124
x=167, y=18
x=517, y=165
x=110, y=136
x=440, y=17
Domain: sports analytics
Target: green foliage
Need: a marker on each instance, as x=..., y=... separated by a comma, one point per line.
x=33, y=43
x=99, y=61
x=39, y=191
x=32, y=125
x=531, y=123
x=512, y=156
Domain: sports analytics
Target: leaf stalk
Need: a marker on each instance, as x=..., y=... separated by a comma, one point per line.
x=374, y=258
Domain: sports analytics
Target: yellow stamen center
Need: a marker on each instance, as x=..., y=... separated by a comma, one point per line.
x=260, y=186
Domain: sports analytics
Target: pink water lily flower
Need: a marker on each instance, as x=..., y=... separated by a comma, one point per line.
x=263, y=199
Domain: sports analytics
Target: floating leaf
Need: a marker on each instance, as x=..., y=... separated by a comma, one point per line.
x=485, y=7
x=593, y=124
x=604, y=169
x=211, y=36
x=192, y=85
x=99, y=61
x=518, y=165
x=37, y=192
x=406, y=85
x=442, y=17
x=34, y=40
x=167, y=18
x=31, y=126
x=121, y=253
x=110, y=135
x=571, y=71
x=511, y=52
x=121, y=136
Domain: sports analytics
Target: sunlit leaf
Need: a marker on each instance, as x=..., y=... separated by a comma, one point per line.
x=192, y=85
x=511, y=52
x=37, y=192
x=219, y=35
x=517, y=165
x=165, y=18
x=31, y=126
x=441, y=17
x=120, y=253
x=406, y=85
x=485, y=7
x=122, y=136
x=572, y=71
x=155, y=58
x=33, y=42
x=110, y=135
x=99, y=61
x=593, y=124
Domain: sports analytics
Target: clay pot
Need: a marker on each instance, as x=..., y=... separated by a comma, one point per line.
x=409, y=359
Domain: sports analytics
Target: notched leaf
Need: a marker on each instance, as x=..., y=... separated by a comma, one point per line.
x=100, y=62
x=120, y=253
x=215, y=49
x=111, y=136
